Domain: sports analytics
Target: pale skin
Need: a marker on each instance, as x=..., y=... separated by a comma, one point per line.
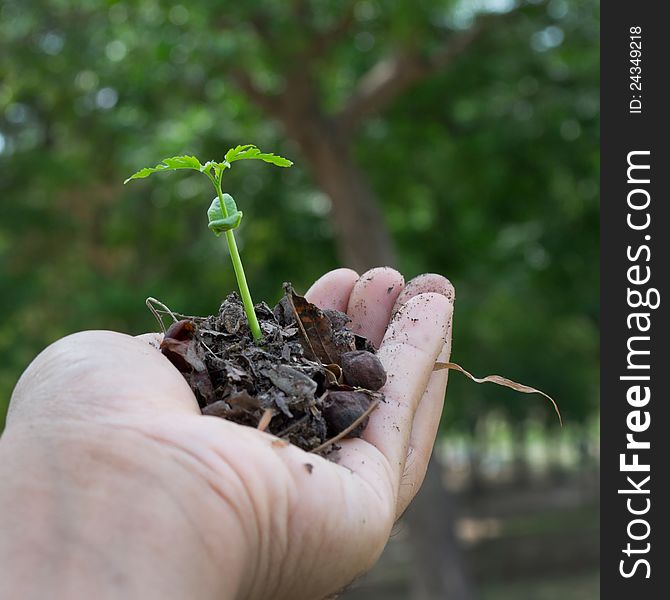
x=112, y=485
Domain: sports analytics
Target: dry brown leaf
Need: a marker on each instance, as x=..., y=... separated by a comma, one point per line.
x=316, y=327
x=499, y=380
x=316, y=330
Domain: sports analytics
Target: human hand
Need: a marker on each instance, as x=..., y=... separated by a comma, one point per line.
x=114, y=485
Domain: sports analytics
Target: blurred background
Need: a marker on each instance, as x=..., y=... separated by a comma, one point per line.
x=454, y=136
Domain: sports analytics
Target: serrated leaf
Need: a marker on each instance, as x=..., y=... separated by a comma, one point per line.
x=221, y=221
x=249, y=151
x=236, y=151
x=170, y=164
x=183, y=162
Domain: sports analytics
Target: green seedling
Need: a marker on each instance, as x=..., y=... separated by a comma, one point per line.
x=223, y=215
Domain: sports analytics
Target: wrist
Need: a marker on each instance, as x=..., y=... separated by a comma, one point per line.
x=93, y=511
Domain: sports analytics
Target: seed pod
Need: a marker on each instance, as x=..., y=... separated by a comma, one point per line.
x=342, y=408
x=363, y=369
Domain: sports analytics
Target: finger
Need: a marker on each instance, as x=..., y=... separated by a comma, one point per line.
x=412, y=343
x=99, y=373
x=427, y=417
x=372, y=300
x=428, y=283
x=332, y=290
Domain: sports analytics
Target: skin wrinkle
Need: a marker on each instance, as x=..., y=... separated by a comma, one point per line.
x=195, y=524
x=64, y=522
x=343, y=495
x=275, y=519
x=184, y=456
x=258, y=525
x=409, y=464
x=121, y=581
x=285, y=524
x=71, y=536
x=373, y=453
x=345, y=500
x=367, y=484
x=286, y=556
x=382, y=461
x=187, y=459
x=181, y=510
x=290, y=517
x=271, y=511
x=320, y=535
x=262, y=571
x=68, y=532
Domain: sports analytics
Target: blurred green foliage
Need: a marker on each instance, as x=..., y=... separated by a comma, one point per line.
x=486, y=172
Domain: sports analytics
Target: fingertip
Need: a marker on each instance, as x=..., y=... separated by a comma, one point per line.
x=431, y=311
x=426, y=283
x=332, y=290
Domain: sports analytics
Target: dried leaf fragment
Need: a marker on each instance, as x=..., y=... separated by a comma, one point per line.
x=317, y=330
x=499, y=380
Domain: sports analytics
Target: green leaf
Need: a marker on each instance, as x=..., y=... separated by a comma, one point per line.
x=220, y=220
x=249, y=151
x=171, y=164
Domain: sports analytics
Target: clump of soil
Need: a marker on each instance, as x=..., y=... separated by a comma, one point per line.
x=310, y=380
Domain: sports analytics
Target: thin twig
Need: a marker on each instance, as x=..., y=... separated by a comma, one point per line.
x=209, y=349
x=347, y=430
x=265, y=419
x=292, y=426
x=164, y=310
x=150, y=305
x=393, y=75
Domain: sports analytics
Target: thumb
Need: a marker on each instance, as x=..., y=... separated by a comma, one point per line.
x=96, y=375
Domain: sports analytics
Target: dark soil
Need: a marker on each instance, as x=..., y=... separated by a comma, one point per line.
x=309, y=380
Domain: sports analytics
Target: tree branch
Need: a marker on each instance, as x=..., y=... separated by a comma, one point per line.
x=391, y=76
x=322, y=41
x=269, y=103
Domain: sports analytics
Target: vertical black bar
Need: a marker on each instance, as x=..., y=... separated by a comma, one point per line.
x=635, y=103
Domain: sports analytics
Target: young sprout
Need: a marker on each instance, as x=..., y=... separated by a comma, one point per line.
x=222, y=214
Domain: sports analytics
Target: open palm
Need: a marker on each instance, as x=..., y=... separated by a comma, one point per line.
x=212, y=509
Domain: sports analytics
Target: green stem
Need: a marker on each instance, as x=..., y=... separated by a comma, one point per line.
x=239, y=271
x=242, y=284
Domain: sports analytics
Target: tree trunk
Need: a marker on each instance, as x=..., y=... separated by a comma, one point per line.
x=362, y=236
x=439, y=570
